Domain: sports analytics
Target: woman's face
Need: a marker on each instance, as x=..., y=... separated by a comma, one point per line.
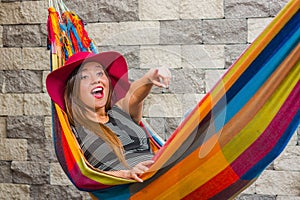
x=94, y=86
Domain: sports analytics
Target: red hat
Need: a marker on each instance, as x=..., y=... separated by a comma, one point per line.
x=114, y=63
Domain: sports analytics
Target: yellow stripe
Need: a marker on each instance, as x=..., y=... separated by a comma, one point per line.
x=54, y=60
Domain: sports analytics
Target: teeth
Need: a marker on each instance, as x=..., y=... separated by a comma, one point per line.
x=97, y=90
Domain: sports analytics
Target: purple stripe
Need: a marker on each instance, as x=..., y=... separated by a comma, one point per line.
x=82, y=182
x=269, y=138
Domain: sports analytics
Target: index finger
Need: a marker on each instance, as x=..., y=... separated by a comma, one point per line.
x=147, y=162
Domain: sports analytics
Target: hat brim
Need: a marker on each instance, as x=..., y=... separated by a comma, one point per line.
x=114, y=63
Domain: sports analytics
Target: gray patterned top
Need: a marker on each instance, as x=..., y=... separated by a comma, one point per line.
x=132, y=136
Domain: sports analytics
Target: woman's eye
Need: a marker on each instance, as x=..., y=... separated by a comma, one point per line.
x=100, y=73
x=83, y=77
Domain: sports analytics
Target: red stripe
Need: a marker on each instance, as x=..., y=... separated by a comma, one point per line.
x=69, y=158
x=221, y=181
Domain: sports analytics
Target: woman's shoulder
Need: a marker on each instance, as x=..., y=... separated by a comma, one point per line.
x=117, y=114
x=116, y=110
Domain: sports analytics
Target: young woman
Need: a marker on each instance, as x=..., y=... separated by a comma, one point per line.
x=104, y=110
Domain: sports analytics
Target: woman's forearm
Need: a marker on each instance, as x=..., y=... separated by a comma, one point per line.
x=133, y=173
x=140, y=89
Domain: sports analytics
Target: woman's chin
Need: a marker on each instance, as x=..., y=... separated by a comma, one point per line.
x=99, y=107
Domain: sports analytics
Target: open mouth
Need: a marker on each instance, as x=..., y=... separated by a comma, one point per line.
x=98, y=92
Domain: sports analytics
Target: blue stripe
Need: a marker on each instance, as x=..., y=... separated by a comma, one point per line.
x=154, y=136
x=114, y=193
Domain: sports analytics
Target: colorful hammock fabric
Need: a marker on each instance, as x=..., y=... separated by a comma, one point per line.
x=228, y=139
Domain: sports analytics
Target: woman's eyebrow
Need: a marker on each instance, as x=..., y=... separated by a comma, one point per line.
x=100, y=66
x=82, y=70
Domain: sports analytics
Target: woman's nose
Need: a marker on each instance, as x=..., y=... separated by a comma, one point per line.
x=96, y=80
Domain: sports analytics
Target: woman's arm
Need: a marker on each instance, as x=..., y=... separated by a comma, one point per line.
x=133, y=173
x=132, y=103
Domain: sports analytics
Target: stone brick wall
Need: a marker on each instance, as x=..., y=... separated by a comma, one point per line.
x=197, y=39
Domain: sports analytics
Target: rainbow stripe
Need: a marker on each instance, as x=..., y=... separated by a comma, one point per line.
x=229, y=138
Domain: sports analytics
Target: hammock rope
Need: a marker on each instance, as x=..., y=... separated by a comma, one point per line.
x=227, y=140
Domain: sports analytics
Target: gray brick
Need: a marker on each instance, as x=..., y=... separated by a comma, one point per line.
x=154, y=56
x=30, y=172
x=2, y=85
x=255, y=197
x=1, y=36
x=276, y=6
x=135, y=74
x=115, y=10
x=14, y=191
x=246, y=8
x=37, y=104
x=21, y=36
x=183, y=81
x=232, y=53
x=131, y=54
x=5, y=172
x=87, y=10
x=57, y=175
x=298, y=135
x=181, y=32
x=225, y=31
x=25, y=127
x=16, y=0
x=159, y=10
x=105, y=10
x=273, y=182
x=188, y=81
x=10, y=58
x=56, y=192
x=11, y=0
x=164, y=127
x=158, y=124
x=41, y=150
x=11, y=104
x=288, y=160
x=13, y=149
x=22, y=81
x=171, y=125
x=43, y=35
x=3, y=127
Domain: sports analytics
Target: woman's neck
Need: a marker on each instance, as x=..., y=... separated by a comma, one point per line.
x=99, y=116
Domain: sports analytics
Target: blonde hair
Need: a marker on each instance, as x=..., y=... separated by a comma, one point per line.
x=76, y=112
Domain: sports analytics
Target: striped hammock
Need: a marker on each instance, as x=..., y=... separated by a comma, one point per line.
x=228, y=139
